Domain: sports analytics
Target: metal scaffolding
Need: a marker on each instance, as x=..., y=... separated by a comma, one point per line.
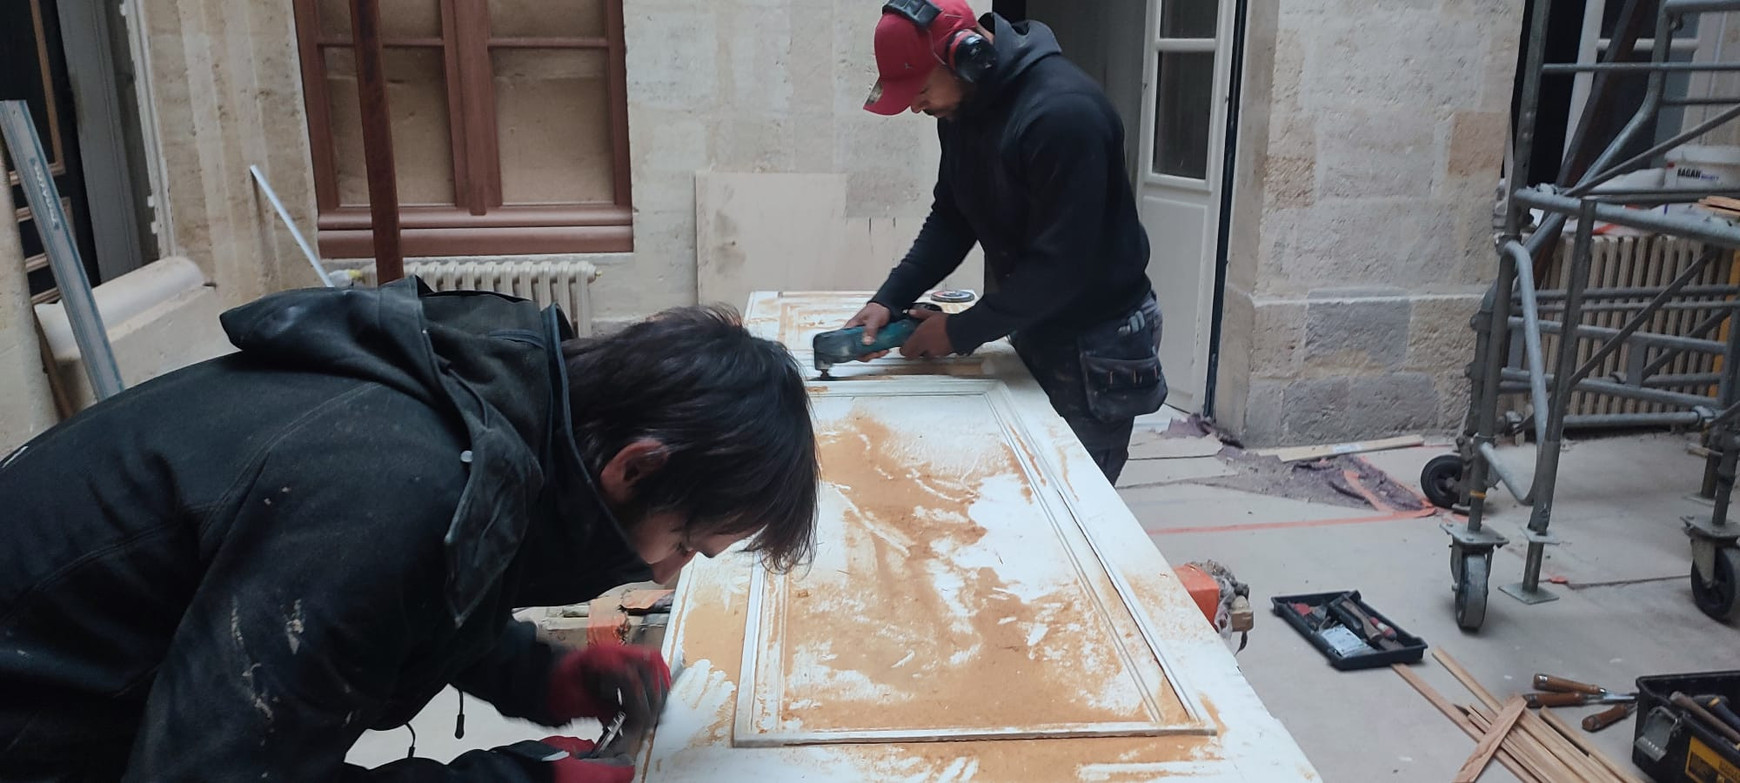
x=1509, y=357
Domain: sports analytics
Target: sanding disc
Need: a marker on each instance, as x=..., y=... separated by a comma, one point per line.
x=953, y=296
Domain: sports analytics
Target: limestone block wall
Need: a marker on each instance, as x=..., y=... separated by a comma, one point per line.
x=26, y=400
x=1370, y=148
x=227, y=94
x=751, y=86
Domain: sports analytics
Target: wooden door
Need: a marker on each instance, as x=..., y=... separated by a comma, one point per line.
x=982, y=608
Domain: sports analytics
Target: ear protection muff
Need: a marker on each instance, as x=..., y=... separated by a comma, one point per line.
x=969, y=55
x=966, y=53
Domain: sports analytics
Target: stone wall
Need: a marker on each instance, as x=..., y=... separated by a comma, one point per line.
x=1369, y=153
x=751, y=86
x=26, y=400
x=227, y=94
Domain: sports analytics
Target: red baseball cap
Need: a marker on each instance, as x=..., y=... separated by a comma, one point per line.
x=905, y=54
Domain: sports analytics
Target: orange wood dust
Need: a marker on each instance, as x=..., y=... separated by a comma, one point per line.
x=913, y=639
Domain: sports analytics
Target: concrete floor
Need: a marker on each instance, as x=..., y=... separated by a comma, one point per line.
x=1625, y=609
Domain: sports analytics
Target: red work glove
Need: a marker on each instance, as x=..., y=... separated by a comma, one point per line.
x=576, y=769
x=602, y=680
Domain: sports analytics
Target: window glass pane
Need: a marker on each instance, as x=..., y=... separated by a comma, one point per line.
x=1181, y=114
x=399, y=18
x=1188, y=18
x=422, y=141
x=553, y=123
x=546, y=18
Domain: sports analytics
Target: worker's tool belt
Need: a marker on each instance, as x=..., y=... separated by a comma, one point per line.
x=1120, y=364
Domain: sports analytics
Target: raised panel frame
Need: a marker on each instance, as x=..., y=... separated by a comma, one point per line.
x=757, y=718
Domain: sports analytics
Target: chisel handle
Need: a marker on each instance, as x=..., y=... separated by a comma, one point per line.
x=1547, y=682
x=1718, y=706
x=1538, y=700
x=1607, y=717
x=1697, y=710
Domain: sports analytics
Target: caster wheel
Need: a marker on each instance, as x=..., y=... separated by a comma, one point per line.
x=1441, y=480
x=1471, y=592
x=1718, y=599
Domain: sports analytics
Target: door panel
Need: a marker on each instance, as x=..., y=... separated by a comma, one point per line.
x=947, y=564
x=1177, y=221
x=977, y=585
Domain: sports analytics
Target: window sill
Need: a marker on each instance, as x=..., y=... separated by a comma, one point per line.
x=445, y=231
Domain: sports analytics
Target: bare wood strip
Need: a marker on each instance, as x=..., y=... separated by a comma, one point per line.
x=1488, y=745
x=1560, y=761
x=1523, y=747
x=1576, y=739
x=1508, y=759
x=1467, y=680
x=1298, y=453
x=1531, y=723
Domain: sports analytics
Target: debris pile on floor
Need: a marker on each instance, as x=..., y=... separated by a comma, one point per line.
x=1336, y=478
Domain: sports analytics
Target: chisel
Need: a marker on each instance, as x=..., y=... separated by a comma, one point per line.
x=1608, y=717
x=1537, y=700
x=1547, y=682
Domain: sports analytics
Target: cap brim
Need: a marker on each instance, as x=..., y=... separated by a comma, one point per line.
x=893, y=96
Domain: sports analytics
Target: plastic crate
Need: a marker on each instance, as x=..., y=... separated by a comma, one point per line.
x=1412, y=650
x=1671, y=746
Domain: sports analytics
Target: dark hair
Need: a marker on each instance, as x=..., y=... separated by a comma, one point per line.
x=731, y=412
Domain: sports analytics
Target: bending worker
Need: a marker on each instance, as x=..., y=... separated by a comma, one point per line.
x=1033, y=171
x=232, y=571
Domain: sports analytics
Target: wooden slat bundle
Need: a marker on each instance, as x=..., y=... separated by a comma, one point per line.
x=1534, y=745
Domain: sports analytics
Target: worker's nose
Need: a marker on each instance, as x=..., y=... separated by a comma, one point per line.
x=668, y=567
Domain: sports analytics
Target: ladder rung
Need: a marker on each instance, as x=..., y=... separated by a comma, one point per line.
x=34, y=263
x=51, y=295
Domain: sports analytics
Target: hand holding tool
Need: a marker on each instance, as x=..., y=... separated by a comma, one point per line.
x=582, y=766
x=610, y=682
x=846, y=345
x=1608, y=717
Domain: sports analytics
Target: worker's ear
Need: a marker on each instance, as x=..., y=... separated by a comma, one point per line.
x=636, y=461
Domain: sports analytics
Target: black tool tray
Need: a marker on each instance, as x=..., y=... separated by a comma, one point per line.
x=1412, y=650
x=1663, y=740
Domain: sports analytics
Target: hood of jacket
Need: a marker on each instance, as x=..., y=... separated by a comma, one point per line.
x=1019, y=45
x=493, y=364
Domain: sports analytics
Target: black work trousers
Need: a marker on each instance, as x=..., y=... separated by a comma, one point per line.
x=1100, y=379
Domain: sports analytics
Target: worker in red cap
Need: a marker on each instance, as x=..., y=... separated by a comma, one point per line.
x=1033, y=171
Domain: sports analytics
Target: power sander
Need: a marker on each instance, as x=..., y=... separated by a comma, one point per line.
x=847, y=345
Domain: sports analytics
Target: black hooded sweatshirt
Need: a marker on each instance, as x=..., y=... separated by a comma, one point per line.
x=232, y=571
x=1033, y=170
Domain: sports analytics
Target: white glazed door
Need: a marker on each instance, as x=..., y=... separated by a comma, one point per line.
x=1183, y=138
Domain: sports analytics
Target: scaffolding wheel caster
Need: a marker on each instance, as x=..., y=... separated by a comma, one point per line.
x=1471, y=570
x=1715, y=593
x=1441, y=480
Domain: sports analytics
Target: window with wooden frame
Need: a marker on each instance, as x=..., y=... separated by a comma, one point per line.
x=510, y=125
